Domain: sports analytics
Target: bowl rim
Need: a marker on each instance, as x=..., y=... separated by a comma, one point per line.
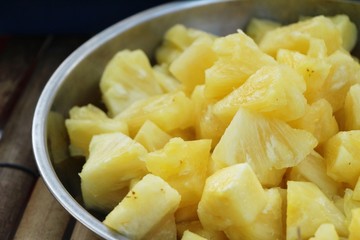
x=46, y=99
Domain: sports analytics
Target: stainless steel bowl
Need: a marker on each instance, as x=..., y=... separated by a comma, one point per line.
x=75, y=82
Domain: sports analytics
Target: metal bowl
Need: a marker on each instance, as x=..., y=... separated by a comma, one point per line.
x=76, y=80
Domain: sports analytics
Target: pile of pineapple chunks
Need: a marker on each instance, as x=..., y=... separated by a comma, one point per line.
x=252, y=135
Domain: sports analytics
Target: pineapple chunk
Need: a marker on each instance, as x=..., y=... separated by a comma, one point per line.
x=189, y=68
x=232, y=196
x=57, y=137
x=139, y=212
x=326, y=231
x=267, y=144
x=356, y=194
x=87, y=121
x=347, y=29
x=176, y=40
x=307, y=209
x=188, y=213
x=349, y=204
x=297, y=36
x=268, y=224
x=127, y=77
x=276, y=91
x=151, y=136
x=318, y=120
x=352, y=109
x=166, y=229
x=113, y=161
x=342, y=156
x=166, y=81
x=183, y=164
x=313, y=169
x=354, y=226
x=191, y=236
x=196, y=227
x=257, y=28
x=170, y=111
x=207, y=125
x=234, y=65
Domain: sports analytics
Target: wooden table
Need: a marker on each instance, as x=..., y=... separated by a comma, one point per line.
x=27, y=209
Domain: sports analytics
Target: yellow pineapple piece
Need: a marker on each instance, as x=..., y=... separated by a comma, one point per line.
x=113, y=161
x=352, y=109
x=308, y=208
x=354, y=226
x=313, y=169
x=189, y=68
x=227, y=195
x=151, y=136
x=349, y=204
x=85, y=122
x=176, y=40
x=268, y=224
x=326, y=231
x=188, y=213
x=267, y=144
x=297, y=36
x=341, y=153
x=183, y=164
x=166, y=81
x=196, y=227
x=356, y=194
x=127, y=77
x=169, y=111
x=166, y=229
x=139, y=212
x=276, y=91
x=207, y=125
x=347, y=29
x=314, y=70
x=317, y=49
x=318, y=120
x=188, y=235
x=257, y=28
x=234, y=65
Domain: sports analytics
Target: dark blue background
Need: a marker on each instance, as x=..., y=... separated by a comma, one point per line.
x=66, y=17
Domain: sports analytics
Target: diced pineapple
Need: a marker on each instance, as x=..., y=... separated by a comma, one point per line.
x=356, y=194
x=347, y=29
x=232, y=196
x=144, y=208
x=166, y=81
x=207, y=125
x=276, y=91
x=176, y=40
x=57, y=137
x=189, y=68
x=196, y=227
x=352, y=108
x=313, y=169
x=326, y=231
x=297, y=36
x=238, y=58
x=169, y=111
x=183, y=164
x=314, y=70
x=151, y=136
x=354, y=226
x=191, y=236
x=308, y=208
x=87, y=121
x=317, y=48
x=113, y=161
x=318, y=120
x=349, y=204
x=268, y=224
x=127, y=77
x=166, y=229
x=188, y=213
x=257, y=28
x=267, y=144
x=342, y=156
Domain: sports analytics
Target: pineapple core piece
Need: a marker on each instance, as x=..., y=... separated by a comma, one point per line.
x=113, y=161
x=232, y=196
x=308, y=208
x=144, y=208
x=269, y=145
x=191, y=236
x=326, y=231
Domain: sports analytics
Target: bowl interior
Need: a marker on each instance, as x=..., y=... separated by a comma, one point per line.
x=76, y=81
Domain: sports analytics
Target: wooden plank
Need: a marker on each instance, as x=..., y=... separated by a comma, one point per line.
x=15, y=147
x=44, y=217
x=80, y=232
